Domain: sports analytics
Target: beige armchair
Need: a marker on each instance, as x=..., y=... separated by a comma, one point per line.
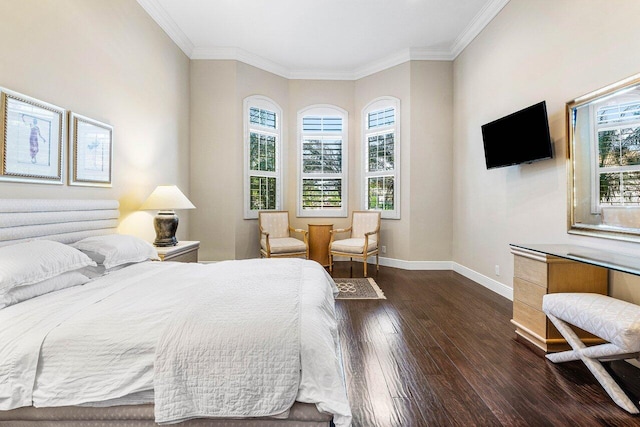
x=275, y=236
x=363, y=241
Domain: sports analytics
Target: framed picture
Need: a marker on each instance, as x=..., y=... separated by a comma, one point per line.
x=32, y=138
x=91, y=152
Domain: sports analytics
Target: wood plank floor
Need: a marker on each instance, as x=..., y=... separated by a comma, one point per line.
x=440, y=351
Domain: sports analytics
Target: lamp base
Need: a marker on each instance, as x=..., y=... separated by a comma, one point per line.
x=166, y=224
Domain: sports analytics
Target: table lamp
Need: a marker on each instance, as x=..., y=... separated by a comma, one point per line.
x=164, y=199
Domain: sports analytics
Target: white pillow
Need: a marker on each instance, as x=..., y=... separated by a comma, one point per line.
x=31, y=262
x=116, y=249
x=23, y=293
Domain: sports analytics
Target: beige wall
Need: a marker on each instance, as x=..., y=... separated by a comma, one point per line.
x=532, y=51
x=425, y=90
x=216, y=156
x=396, y=82
x=218, y=89
x=253, y=81
x=431, y=163
x=110, y=61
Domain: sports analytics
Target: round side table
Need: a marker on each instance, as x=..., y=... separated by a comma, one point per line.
x=319, y=236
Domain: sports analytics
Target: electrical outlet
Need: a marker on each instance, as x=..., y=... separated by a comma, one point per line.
x=497, y=270
x=384, y=249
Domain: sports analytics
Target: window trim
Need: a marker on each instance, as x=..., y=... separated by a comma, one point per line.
x=324, y=110
x=263, y=102
x=375, y=105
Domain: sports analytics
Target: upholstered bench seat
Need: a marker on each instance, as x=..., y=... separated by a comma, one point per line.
x=613, y=320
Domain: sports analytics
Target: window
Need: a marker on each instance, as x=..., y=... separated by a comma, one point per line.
x=322, y=161
x=618, y=154
x=262, y=155
x=381, y=186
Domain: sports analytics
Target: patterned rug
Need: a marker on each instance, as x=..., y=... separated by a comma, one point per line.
x=362, y=288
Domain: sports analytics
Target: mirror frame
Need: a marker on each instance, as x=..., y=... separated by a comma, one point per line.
x=617, y=233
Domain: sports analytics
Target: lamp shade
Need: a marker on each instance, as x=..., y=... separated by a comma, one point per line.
x=167, y=197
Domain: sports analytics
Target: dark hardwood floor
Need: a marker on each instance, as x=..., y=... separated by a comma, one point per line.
x=440, y=351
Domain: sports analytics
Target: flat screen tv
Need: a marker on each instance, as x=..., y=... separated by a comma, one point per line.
x=520, y=137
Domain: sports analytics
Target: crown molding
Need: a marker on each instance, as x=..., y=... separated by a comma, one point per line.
x=428, y=54
x=477, y=24
x=237, y=54
x=320, y=75
x=382, y=64
x=475, y=27
x=372, y=68
x=169, y=26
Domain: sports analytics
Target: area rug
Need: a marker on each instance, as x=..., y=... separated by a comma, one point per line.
x=362, y=288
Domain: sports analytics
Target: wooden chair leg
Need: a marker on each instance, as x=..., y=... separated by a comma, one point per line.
x=365, y=266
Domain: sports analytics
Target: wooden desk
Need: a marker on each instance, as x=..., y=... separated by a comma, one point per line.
x=319, y=237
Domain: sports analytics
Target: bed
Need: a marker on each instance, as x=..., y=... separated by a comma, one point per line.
x=246, y=343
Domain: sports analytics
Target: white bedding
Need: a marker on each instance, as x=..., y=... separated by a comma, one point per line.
x=95, y=344
x=198, y=371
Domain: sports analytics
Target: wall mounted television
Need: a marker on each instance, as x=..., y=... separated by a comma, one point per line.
x=520, y=137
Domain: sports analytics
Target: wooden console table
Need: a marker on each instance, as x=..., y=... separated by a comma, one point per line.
x=319, y=237
x=543, y=269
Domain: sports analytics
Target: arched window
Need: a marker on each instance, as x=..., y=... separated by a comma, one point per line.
x=322, y=161
x=381, y=146
x=262, y=155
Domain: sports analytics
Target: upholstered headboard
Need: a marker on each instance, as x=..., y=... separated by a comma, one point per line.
x=65, y=221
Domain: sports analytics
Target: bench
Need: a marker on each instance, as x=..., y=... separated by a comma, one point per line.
x=613, y=320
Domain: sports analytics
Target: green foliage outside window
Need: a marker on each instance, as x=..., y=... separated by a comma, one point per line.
x=619, y=148
x=262, y=152
x=380, y=193
x=322, y=155
x=262, y=193
x=262, y=117
x=381, y=152
x=321, y=193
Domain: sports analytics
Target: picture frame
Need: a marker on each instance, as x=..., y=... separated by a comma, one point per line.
x=31, y=139
x=90, y=152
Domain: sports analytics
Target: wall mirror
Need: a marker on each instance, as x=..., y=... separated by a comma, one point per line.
x=604, y=162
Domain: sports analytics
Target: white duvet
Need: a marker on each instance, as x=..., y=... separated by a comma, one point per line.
x=95, y=344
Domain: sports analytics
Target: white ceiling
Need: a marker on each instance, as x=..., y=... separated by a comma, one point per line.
x=323, y=39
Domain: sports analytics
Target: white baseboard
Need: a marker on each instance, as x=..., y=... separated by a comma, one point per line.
x=413, y=265
x=487, y=282
x=403, y=264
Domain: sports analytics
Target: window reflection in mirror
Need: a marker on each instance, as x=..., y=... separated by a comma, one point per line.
x=604, y=170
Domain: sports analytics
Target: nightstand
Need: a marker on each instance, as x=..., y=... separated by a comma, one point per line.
x=184, y=251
